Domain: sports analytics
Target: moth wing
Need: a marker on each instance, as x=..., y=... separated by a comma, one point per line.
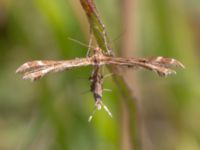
x=160, y=65
x=34, y=70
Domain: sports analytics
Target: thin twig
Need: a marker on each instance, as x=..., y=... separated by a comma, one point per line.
x=103, y=41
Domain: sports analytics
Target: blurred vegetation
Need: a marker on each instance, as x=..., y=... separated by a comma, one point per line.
x=52, y=113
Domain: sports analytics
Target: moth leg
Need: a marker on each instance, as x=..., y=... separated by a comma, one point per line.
x=108, y=75
x=106, y=109
x=91, y=116
x=107, y=90
x=98, y=106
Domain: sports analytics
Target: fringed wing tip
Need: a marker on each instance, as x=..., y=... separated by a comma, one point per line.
x=20, y=69
x=180, y=65
x=34, y=70
x=164, y=65
x=166, y=73
x=17, y=71
x=176, y=63
x=26, y=77
x=32, y=77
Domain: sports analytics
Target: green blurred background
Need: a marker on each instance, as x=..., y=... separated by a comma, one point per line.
x=51, y=114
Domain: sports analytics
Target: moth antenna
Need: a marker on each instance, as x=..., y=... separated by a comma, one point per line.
x=90, y=43
x=91, y=116
x=80, y=43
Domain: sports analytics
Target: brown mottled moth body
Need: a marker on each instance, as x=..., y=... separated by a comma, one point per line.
x=96, y=86
x=34, y=70
x=96, y=80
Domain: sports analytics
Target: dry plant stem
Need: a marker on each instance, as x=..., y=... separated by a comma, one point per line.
x=128, y=45
x=103, y=41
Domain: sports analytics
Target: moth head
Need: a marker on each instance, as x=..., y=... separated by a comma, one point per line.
x=97, y=50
